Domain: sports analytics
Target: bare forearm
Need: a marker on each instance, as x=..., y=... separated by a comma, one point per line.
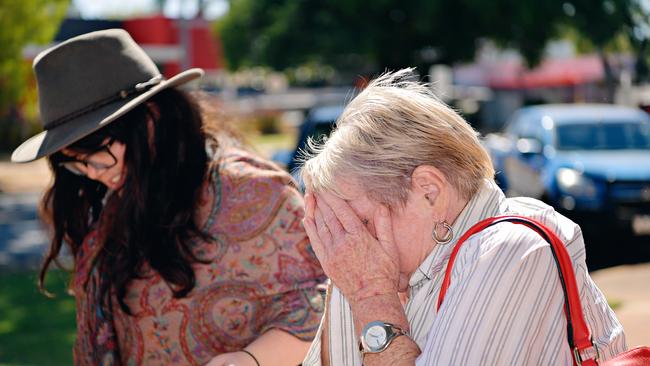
x=325, y=336
x=277, y=347
x=386, y=308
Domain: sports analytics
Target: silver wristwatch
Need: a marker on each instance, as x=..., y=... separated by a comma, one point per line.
x=377, y=336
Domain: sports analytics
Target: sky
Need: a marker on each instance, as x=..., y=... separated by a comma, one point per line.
x=90, y=9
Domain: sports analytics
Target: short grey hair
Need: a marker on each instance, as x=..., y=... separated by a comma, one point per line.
x=393, y=126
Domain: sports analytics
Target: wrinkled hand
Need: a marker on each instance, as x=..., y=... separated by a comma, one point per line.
x=359, y=264
x=232, y=359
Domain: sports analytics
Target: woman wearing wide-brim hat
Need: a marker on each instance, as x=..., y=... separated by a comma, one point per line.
x=187, y=250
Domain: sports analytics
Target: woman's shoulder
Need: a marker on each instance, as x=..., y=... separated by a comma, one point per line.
x=249, y=192
x=567, y=230
x=244, y=166
x=521, y=239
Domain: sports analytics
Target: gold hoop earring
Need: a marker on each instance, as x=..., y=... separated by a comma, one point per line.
x=447, y=238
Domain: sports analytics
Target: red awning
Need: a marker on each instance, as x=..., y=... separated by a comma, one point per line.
x=550, y=73
x=159, y=30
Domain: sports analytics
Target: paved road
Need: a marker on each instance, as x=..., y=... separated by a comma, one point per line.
x=608, y=247
x=627, y=286
x=22, y=238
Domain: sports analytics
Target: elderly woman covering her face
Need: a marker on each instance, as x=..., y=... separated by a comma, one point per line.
x=388, y=195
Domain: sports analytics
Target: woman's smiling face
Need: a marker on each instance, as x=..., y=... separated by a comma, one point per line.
x=105, y=165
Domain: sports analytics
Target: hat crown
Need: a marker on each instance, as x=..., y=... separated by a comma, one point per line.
x=86, y=69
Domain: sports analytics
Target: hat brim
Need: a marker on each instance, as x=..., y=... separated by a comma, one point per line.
x=55, y=139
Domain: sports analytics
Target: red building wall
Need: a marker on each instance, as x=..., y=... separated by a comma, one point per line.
x=205, y=51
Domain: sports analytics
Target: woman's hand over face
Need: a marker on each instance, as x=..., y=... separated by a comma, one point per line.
x=359, y=264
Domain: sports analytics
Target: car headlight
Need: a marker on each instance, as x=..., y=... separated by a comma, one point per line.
x=572, y=182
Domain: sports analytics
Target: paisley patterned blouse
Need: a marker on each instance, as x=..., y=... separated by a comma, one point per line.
x=262, y=274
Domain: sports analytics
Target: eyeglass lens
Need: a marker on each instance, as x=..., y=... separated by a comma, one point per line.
x=80, y=167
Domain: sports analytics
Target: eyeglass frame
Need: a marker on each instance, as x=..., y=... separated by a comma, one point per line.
x=69, y=164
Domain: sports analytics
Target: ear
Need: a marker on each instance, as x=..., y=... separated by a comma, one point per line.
x=429, y=182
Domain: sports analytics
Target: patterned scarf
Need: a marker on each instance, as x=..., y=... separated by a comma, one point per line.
x=96, y=342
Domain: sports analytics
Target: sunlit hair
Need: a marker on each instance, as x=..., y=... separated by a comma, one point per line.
x=393, y=126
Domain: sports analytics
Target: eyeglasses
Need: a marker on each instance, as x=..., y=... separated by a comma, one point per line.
x=80, y=167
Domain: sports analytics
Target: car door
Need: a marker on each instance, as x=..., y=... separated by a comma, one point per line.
x=524, y=164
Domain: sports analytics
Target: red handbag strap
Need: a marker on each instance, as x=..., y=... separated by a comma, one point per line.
x=578, y=333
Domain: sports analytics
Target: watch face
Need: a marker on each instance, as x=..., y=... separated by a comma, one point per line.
x=375, y=337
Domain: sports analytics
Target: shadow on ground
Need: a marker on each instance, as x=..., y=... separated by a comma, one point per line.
x=613, y=247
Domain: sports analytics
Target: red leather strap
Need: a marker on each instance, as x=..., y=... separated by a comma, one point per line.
x=579, y=335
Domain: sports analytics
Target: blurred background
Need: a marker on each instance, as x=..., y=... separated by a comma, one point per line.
x=560, y=90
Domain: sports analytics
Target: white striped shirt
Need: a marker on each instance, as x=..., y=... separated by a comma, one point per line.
x=505, y=303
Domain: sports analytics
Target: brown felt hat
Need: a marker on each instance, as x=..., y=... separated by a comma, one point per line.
x=87, y=82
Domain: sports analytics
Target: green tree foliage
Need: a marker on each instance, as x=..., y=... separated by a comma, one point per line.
x=23, y=22
x=372, y=35
x=380, y=33
x=637, y=33
x=523, y=25
x=344, y=33
x=604, y=24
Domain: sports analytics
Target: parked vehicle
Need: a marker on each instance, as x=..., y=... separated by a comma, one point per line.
x=318, y=122
x=592, y=162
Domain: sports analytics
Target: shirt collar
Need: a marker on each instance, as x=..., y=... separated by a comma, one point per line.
x=485, y=203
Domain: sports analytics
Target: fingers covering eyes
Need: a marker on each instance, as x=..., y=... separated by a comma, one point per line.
x=321, y=227
x=330, y=219
x=344, y=213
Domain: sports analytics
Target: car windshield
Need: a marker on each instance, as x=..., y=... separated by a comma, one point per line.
x=603, y=136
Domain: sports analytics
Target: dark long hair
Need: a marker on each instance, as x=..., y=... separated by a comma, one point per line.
x=152, y=218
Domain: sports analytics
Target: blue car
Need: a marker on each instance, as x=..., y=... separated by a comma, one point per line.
x=319, y=122
x=591, y=162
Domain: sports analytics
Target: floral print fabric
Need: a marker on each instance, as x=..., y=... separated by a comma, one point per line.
x=261, y=273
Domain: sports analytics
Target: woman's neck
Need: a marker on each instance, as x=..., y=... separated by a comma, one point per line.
x=453, y=211
x=456, y=207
